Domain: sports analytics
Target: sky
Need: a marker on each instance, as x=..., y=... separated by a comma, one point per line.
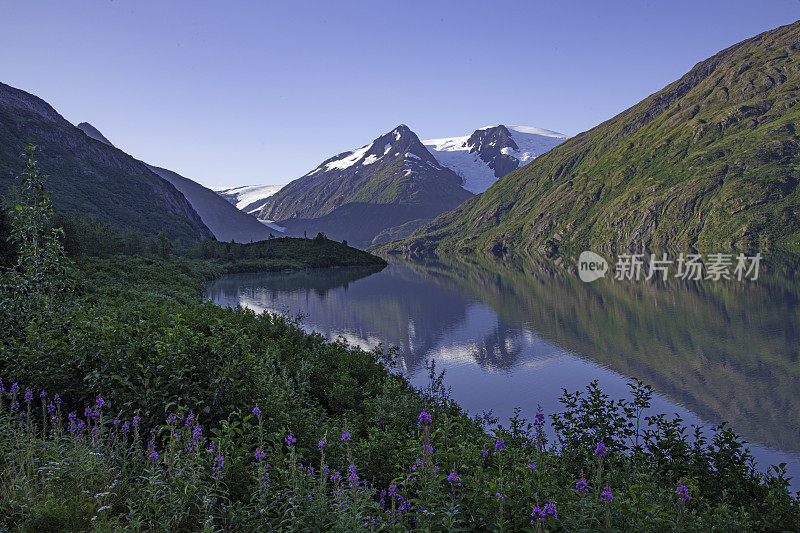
x=235, y=93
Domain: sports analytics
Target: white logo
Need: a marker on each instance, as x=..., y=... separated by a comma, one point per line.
x=591, y=266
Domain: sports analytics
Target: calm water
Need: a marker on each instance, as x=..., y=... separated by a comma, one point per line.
x=513, y=337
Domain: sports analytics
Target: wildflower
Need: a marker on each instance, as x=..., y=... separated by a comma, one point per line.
x=454, y=479
x=189, y=420
x=256, y=411
x=417, y=464
x=538, y=514
x=606, y=496
x=172, y=418
x=2, y=387
x=532, y=466
x=99, y=403
x=392, y=488
x=500, y=496
x=581, y=487
x=550, y=509
x=57, y=399
x=290, y=440
x=14, y=405
x=600, y=450
x=28, y=396
x=259, y=454
x=125, y=428
x=14, y=388
x=336, y=477
x=117, y=422
x=499, y=444
x=216, y=470
x=321, y=444
x=42, y=395
x=424, y=418
x=483, y=453
x=153, y=455
x=538, y=420
x=427, y=449
x=212, y=447
x=346, y=436
x=683, y=492
x=435, y=468
x=353, y=477
x=136, y=420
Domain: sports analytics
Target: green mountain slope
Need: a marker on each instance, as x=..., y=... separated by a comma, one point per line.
x=87, y=176
x=710, y=160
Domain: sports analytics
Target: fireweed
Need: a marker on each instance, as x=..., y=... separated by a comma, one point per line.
x=252, y=474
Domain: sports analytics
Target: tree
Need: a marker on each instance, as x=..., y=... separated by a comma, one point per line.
x=163, y=244
x=42, y=272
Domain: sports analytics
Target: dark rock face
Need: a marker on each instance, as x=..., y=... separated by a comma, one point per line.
x=489, y=144
x=90, y=177
x=357, y=195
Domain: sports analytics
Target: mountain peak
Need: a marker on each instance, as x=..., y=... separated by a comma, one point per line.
x=94, y=133
x=491, y=152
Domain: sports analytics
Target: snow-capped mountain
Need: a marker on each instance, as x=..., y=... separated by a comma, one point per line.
x=492, y=152
x=249, y=198
x=379, y=191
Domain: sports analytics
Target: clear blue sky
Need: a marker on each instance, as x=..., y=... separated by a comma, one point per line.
x=231, y=93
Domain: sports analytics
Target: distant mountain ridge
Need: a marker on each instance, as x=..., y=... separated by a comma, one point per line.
x=249, y=198
x=708, y=161
x=225, y=221
x=359, y=194
x=89, y=177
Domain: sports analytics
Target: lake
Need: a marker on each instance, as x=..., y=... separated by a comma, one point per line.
x=513, y=336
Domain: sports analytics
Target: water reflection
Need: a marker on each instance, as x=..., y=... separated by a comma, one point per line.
x=513, y=336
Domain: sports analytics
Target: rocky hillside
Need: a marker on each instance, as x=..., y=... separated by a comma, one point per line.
x=87, y=176
x=710, y=160
x=393, y=181
x=225, y=221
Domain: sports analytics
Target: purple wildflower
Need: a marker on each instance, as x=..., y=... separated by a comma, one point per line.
x=99, y=403
x=216, y=470
x=189, y=420
x=153, y=455
x=581, y=487
x=532, y=466
x=499, y=444
x=500, y=496
x=600, y=450
x=424, y=418
x=336, y=477
x=125, y=428
x=538, y=420
x=346, y=436
x=57, y=399
x=212, y=447
x=256, y=411
x=454, y=479
x=14, y=388
x=42, y=395
x=28, y=396
x=538, y=514
x=427, y=449
x=136, y=420
x=321, y=444
x=117, y=422
x=290, y=440
x=550, y=509
x=259, y=454
x=353, y=477
x=606, y=496
x=51, y=409
x=683, y=492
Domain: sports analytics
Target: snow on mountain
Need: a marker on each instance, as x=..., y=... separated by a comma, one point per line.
x=491, y=152
x=249, y=198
